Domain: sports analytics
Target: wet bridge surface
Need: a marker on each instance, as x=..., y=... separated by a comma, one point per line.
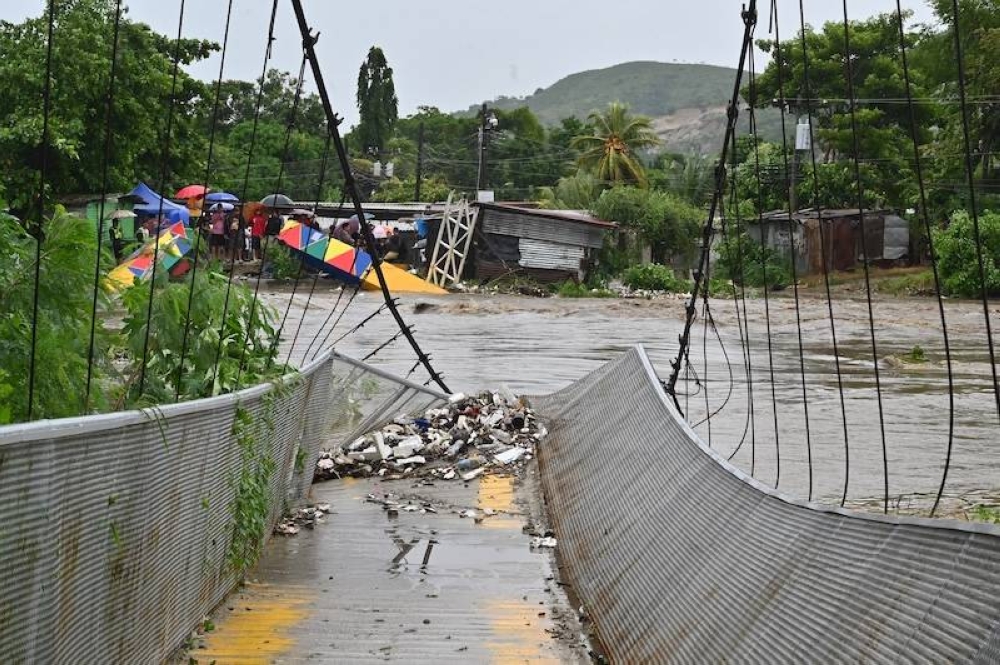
x=420, y=587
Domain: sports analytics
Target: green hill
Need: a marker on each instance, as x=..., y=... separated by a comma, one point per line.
x=687, y=102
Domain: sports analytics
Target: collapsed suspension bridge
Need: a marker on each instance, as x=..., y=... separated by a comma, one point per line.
x=700, y=513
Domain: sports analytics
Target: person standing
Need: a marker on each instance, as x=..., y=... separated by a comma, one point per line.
x=258, y=225
x=217, y=239
x=117, y=239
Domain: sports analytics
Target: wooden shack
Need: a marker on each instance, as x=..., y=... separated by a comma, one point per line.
x=886, y=237
x=547, y=245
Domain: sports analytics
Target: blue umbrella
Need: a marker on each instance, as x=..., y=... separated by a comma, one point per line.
x=222, y=197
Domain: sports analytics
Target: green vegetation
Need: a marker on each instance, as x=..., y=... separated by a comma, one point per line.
x=377, y=103
x=655, y=277
x=611, y=145
x=285, y=264
x=250, y=506
x=916, y=355
x=576, y=290
x=666, y=223
x=988, y=514
x=956, y=248
x=748, y=263
x=65, y=300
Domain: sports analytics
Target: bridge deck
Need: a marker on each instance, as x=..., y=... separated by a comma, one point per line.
x=364, y=587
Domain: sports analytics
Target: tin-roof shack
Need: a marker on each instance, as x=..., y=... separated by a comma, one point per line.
x=548, y=245
x=887, y=237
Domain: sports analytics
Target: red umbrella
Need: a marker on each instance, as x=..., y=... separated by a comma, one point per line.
x=191, y=192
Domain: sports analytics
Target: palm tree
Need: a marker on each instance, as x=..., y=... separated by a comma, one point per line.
x=609, y=150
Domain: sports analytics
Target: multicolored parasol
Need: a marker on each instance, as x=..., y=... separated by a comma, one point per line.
x=174, y=242
x=345, y=261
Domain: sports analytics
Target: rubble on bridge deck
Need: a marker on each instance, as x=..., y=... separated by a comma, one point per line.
x=495, y=432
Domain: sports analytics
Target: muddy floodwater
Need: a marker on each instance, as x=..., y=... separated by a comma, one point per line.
x=537, y=346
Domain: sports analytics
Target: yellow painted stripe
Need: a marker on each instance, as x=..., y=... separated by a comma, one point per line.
x=258, y=629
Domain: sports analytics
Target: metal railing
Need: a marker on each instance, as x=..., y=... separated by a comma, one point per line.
x=117, y=531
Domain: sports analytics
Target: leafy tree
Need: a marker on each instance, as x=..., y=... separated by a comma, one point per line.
x=80, y=77
x=958, y=262
x=579, y=191
x=377, y=103
x=610, y=148
x=667, y=224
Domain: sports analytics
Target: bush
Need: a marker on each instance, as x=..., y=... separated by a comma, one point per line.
x=199, y=378
x=654, y=277
x=956, y=250
x=574, y=290
x=285, y=264
x=65, y=301
x=746, y=262
x=667, y=224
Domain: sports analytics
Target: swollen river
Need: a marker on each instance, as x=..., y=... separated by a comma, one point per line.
x=537, y=346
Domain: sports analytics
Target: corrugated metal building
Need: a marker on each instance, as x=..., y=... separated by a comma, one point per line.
x=887, y=237
x=547, y=245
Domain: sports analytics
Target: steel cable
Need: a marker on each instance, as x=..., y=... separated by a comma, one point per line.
x=864, y=256
x=105, y=170
x=246, y=185
x=818, y=207
x=763, y=266
x=162, y=183
x=208, y=175
x=974, y=211
x=791, y=237
x=267, y=236
x=40, y=222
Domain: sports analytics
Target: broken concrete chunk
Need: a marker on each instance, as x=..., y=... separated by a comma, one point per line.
x=510, y=456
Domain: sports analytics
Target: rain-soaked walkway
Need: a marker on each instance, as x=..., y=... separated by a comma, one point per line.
x=423, y=587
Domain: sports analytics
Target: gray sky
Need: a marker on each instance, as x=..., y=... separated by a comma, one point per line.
x=455, y=53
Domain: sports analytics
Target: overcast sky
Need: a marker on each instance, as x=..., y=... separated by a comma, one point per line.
x=455, y=53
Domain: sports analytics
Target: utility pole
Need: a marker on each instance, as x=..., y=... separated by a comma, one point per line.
x=420, y=161
x=487, y=123
x=481, y=180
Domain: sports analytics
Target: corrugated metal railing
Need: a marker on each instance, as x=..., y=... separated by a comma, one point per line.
x=116, y=530
x=679, y=557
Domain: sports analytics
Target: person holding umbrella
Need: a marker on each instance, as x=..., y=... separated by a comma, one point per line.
x=117, y=239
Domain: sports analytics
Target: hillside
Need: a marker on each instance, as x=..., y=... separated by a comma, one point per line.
x=687, y=102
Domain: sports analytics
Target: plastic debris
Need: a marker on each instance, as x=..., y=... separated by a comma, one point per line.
x=467, y=437
x=547, y=542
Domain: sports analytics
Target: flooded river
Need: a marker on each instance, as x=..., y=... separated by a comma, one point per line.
x=537, y=346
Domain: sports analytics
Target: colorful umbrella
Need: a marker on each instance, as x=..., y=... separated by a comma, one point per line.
x=191, y=192
x=222, y=197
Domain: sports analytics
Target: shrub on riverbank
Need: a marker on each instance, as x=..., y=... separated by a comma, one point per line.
x=957, y=257
x=654, y=277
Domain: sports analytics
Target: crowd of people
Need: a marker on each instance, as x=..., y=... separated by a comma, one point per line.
x=230, y=237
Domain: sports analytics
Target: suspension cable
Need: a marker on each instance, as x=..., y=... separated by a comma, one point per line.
x=309, y=42
x=208, y=175
x=293, y=113
x=864, y=254
x=105, y=171
x=302, y=262
x=791, y=239
x=763, y=265
x=919, y=170
x=974, y=210
x=246, y=184
x=749, y=20
x=40, y=221
x=817, y=205
x=163, y=181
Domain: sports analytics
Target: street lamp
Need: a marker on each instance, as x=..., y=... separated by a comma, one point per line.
x=488, y=122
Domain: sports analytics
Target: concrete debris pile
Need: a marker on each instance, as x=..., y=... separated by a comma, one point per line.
x=307, y=517
x=469, y=436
